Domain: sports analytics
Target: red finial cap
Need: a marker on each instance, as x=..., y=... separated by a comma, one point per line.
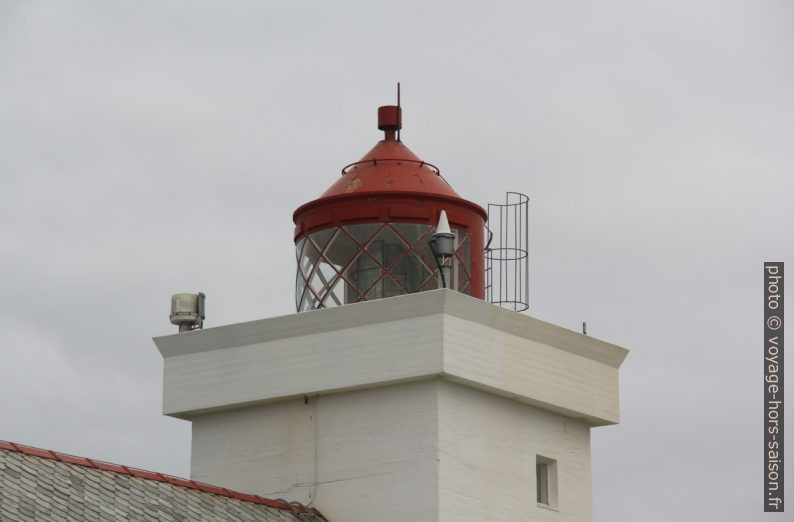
x=390, y=119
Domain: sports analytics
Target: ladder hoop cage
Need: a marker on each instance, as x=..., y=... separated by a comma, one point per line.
x=507, y=253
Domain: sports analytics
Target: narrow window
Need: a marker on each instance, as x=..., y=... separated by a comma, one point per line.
x=543, y=482
x=546, y=480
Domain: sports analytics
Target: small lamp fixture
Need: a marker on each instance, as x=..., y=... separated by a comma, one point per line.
x=187, y=311
x=442, y=244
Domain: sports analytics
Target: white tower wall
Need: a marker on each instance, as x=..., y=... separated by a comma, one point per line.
x=487, y=451
x=358, y=454
x=427, y=407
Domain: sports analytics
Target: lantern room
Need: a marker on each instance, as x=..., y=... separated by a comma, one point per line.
x=373, y=233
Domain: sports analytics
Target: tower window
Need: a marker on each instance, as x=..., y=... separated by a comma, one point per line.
x=546, y=481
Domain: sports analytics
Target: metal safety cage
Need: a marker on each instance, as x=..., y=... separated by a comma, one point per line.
x=353, y=263
x=507, y=253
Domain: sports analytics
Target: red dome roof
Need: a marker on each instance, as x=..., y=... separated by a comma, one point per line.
x=391, y=167
x=389, y=170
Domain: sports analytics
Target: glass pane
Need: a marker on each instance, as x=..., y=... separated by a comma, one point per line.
x=431, y=282
x=300, y=284
x=307, y=301
x=463, y=250
x=363, y=272
x=340, y=250
x=338, y=293
x=464, y=283
x=385, y=287
x=363, y=233
x=390, y=287
x=320, y=239
x=386, y=247
x=422, y=249
x=410, y=272
x=322, y=279
x=308, y=259
x=352, y=295
x=412, y=233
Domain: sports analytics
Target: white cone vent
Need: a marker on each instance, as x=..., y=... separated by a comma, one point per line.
x=443, y=224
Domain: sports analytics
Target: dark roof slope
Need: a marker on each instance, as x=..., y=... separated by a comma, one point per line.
x=43, y=485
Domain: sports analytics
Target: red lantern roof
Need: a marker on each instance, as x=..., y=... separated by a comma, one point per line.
x=389, y=169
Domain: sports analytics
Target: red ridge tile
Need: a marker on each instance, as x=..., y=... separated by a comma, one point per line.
x=135, y=472
x=243, y=496
x=107, y=466
x=215, y=490
x=69, y=459
x=36, y=452
x=176, y=481
x=272, y=503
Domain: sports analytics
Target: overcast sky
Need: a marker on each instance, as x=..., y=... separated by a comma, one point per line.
x=148, y=148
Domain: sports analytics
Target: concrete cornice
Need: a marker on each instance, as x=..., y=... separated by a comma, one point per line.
x=305, y=323
x=521, y=325
x=386, y=310
x=437, y=334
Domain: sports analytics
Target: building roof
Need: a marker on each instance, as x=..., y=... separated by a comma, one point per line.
x=38, y=485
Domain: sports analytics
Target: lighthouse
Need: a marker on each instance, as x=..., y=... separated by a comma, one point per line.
x=396, y=391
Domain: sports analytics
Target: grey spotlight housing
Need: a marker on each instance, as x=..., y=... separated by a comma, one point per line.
x=187, y=311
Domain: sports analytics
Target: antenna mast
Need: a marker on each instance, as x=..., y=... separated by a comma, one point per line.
x=399, y=110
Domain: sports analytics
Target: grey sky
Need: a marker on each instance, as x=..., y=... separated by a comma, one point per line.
x=148, y=148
